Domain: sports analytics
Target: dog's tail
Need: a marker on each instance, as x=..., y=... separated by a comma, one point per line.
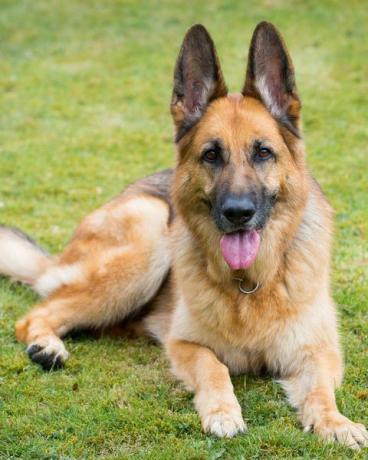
x=21, y=258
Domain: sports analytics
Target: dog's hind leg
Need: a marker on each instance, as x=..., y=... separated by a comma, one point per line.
x=113, y=266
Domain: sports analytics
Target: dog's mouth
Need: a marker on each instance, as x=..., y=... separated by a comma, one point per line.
x=240, y=248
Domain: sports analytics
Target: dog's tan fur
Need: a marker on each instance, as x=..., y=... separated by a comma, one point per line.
x=118, y=263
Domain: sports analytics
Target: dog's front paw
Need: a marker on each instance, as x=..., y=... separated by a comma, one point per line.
x=336, y=427
x=49, y=352
x=224, y=423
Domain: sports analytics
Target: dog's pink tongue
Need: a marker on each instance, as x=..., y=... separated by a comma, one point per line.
x=240, y=249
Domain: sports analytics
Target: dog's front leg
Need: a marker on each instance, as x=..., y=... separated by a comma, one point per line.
x=202, y=372
x=312, y=392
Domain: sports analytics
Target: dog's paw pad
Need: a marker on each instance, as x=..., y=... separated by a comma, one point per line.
x=224, y=424
x=50, y=355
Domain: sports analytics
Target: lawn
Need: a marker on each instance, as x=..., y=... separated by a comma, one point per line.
x=85, y=88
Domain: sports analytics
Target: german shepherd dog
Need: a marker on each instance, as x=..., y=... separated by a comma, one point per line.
x=224, y=260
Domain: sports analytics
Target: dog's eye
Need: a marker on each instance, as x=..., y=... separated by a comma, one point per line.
x=211, y=156
x=263, y=153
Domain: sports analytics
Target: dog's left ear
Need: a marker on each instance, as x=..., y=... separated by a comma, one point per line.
x=198, y=79
x=270, y=76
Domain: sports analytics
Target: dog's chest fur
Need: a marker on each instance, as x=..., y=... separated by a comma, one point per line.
x=239, y=328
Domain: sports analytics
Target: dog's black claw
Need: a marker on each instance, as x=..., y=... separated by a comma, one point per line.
x=48, y=361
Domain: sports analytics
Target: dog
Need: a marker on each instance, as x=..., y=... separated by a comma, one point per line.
x=224, y=260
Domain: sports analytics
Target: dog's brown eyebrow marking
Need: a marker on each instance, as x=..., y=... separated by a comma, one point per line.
x=261, y=142
x=214, y=144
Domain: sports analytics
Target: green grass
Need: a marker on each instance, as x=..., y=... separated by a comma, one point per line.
x=84, y=88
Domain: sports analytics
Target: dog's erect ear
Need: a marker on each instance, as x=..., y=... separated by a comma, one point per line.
x=197, y=79
x=270, y=76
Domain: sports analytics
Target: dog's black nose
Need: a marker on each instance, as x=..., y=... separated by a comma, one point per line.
x=238, y=210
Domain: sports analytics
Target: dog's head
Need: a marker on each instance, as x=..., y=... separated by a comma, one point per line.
x=238, y=155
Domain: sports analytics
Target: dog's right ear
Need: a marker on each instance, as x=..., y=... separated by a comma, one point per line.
x=198, y=79
x=270, y=77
